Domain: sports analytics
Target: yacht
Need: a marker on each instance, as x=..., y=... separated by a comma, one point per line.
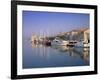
x=58, y=41
x=82, y=44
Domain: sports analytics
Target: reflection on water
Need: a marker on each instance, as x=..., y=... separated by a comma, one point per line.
x=39, y=56
x=74, y=52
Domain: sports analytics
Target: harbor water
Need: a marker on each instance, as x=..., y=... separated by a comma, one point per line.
x=42, y=56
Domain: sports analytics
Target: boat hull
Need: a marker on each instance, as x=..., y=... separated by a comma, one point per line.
x=59, y=43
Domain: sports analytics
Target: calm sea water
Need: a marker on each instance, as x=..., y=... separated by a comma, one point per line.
x=40, y=56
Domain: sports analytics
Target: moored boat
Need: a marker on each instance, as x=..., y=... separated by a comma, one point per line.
x=71, y=43
x=82, y=44
x=58, y=41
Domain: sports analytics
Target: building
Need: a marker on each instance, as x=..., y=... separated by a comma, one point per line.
x=34, y=38
x=74, y=35
x=78, y=35
x=87, y=36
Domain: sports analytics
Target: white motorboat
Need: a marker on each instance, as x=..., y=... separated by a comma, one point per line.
x=87, y=45
x=82, y=44
x=58, y=41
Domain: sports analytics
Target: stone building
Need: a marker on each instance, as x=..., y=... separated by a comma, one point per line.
x=78, y=35
x=87, y=36
x=34, y=38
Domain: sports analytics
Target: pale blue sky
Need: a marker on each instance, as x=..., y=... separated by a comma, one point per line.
x=51, y=23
